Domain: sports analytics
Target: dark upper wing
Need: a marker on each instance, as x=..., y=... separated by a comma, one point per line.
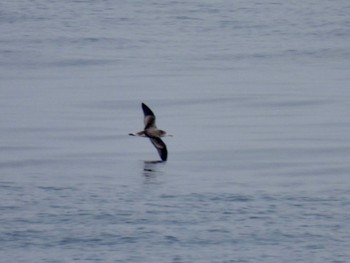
x=149, y=117
x=161, y=147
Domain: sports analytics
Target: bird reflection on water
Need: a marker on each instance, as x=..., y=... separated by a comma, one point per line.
x=151, y=168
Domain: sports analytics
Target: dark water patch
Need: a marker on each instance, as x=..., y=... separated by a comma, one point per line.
x=223, y=197
x=24, y=238
x=9, y=185
x=168, y=196
x=321, y=53
x=306, y=200
x=278, y=54
x=54, y=188
x=83, y=62
x=232, y=198
x=171, y=239
x=79, y=241
x=58, y=63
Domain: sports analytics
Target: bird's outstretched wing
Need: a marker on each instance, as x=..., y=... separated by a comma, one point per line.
x=149, y=117
x=160, y=146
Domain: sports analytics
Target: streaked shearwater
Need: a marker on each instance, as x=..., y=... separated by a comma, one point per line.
x=152, y=132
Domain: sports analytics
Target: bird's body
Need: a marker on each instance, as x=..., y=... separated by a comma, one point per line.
x=152, y=132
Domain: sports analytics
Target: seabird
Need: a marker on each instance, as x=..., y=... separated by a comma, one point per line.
x=152, y=132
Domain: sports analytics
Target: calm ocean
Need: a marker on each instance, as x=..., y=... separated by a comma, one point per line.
x=256, y=94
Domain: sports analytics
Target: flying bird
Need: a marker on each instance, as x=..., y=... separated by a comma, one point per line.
x=152, y=132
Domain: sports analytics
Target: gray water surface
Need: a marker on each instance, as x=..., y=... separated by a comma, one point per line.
x=255, y=93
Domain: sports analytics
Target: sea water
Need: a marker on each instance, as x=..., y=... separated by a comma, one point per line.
x=256, y=94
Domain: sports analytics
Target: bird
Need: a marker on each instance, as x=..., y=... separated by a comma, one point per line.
x=152, y=132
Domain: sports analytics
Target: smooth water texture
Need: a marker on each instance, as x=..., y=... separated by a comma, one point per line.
x=256, y=94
